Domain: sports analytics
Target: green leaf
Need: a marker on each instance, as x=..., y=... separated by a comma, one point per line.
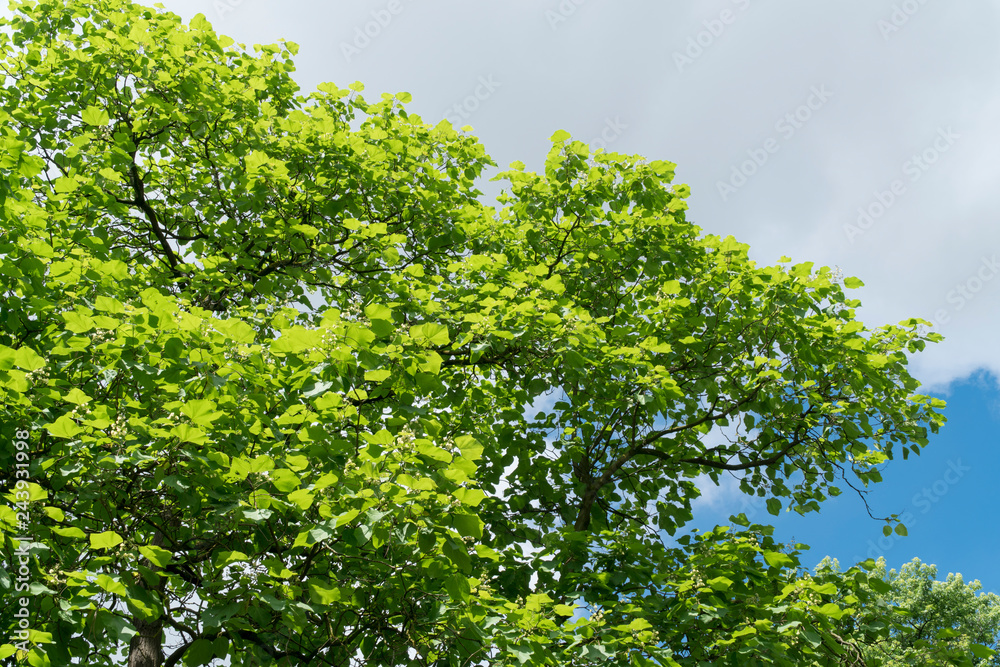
x=108, y=304
x=224, y=558
x=428, y=449
x=980, y=651
x=64, y=427
x=560, y=136
x=484, y=551
x=308, y=231
x=111, y=585
x=78, y=397
x=639, y=624
x=570, y=610
x=201, y=412
x=416, y=483
x=554, y=284
x=458, y=588
x=824, y=589
x=812, y=637
x=54, y=513
x=188, y=433
x=73, y=533
x=106, y=540
x=662, y=168
x=901, y=529
x=456, y=552
x=257, y=515
x=468, y=525
x=469, y=497
x=7, y=356
x=778, y=559
x=201, y=652
x=285, y=480
x=470, y=447
x=345, y=518
x=95, y=116
x=429, y=334
x=359, y=337
x=261, y=463
x=317, y=389
x=218, y=458
x=78, y=322
x=322, y=591
x=853, y=283
x=878, y=585
x=303, y=498
x=27, y=359
x=378, y=375
x=832, y=610
x=295, y=340
x=236, y=331
x=220, y=646
x=381, y=319
x=156, y=555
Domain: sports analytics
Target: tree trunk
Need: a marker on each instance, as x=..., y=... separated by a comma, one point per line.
x=146, y=648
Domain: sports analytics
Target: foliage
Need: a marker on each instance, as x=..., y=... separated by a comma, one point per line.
x=934, y=616
x=276, y=362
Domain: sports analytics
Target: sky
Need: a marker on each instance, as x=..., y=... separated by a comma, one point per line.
x=859, y=134
x=947, y=498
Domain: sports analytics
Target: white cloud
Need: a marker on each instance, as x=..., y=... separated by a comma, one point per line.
x=719, y=497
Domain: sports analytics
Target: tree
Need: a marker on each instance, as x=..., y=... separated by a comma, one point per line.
x=269, y=365
x=935, y=615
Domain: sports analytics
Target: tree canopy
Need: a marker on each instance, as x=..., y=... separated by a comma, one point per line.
x=934, y=617
x=284, y=390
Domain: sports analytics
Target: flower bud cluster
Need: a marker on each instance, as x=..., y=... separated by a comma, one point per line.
x=238, y=353
x=38, y=376
x=119, y=427
x=101, y=335
x=76, y=413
